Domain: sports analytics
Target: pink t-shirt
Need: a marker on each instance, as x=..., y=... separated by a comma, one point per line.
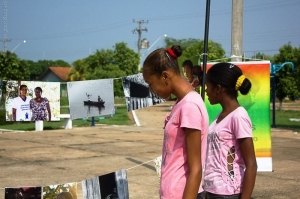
x=220, y=176
x=189, y=112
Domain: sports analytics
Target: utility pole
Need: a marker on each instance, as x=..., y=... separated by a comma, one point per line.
x=237, y=30
x=139, y=31
x=206, y=31
x=5, y=40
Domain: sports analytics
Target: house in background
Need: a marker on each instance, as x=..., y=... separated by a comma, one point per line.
x=57, y=74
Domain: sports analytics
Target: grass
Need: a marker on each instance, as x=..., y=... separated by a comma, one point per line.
x=282, y=119
x=120, y=118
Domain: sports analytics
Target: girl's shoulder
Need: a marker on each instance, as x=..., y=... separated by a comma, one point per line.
x=240, y=112
x=193, y=96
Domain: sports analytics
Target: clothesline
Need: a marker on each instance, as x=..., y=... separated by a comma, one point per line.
x=130, y=168
x=214, y=60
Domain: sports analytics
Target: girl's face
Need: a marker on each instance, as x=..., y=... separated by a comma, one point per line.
x=212, y=93
x=157, y=84
x=37, y=93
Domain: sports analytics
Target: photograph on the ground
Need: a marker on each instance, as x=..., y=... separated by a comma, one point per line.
x=31, y=100
x=91, y=98
x=137, y=93
x=23, y=193
x=112, y=185
x=61, y=191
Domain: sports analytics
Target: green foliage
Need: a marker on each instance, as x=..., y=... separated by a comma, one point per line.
x=119, y=118
x=126, y=59
x=287, y=79
x=287, y=53
x=116, y=63
x=286, y=87
x=78, y=70
x=12, y=68
x=38, y=68
x=193, y=49
x=262, y=56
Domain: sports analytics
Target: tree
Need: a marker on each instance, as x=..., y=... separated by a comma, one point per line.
x=287, y=79
x=12, y=68
x=126, y=59
x=110, y=63
x=262, y=56
x=38, y=68
x=193, y=49
x=77, y=72
x=285, y=87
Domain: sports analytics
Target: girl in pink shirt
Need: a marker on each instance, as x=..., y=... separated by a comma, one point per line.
x=230, y=167
x=185, y=127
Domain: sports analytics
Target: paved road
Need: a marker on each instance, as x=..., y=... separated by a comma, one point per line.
x=62, y=156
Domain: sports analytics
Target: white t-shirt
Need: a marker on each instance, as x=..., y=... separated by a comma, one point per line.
x=22, y=107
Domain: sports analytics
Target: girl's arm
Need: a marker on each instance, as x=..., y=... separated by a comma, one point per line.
x=247, y=150
x=193, y=149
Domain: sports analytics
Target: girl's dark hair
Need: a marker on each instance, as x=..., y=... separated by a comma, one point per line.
x=197, y=70
x=188, y=63
x=39, y=89
x=162, y=59
x=227, y=75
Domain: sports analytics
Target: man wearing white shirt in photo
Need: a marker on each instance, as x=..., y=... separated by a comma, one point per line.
x=20, y=105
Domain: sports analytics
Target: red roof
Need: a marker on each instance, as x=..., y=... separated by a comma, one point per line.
x=61, y=72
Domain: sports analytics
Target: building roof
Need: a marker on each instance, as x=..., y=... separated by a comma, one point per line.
x=61, y=72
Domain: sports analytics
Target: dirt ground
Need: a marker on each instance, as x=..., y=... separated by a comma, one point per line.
x=63, y=156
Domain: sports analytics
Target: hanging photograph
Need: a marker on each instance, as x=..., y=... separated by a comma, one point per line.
x=91, y=98
x=137, y=93
x=32, y=100
x=61, y=191
x=109, y=186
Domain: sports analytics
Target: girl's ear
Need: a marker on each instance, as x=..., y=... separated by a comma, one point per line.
x=165, y=74
x=219, y=89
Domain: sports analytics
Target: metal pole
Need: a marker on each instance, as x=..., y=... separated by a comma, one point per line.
x=274, y=69
x=206, y=30
x=273, y=101
x=93, y=121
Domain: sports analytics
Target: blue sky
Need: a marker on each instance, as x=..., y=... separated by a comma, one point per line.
x=73, y=29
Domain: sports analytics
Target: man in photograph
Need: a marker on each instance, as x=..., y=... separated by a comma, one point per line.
x=21, y=106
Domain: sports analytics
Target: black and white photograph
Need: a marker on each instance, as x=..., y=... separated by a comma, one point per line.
x=137, y=93
x=91, y=98
x=109, y=186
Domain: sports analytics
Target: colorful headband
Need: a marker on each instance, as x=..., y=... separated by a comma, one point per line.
x=239, y=82
x=171, y=53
